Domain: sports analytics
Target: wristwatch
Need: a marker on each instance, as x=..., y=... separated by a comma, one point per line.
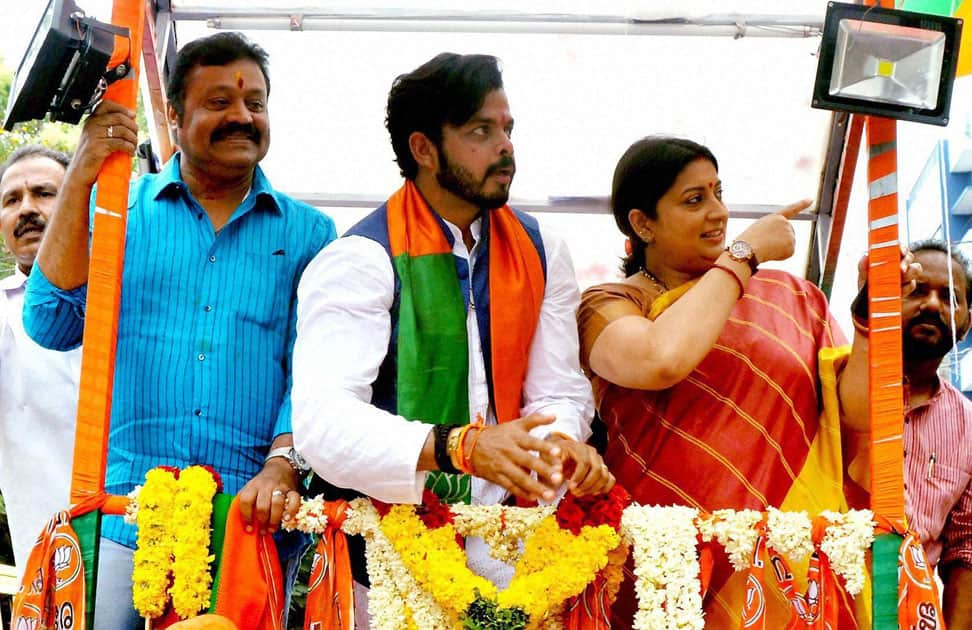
x=298, y=463
x=741, y=251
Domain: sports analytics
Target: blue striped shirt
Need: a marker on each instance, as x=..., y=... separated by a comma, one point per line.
x=205, y=333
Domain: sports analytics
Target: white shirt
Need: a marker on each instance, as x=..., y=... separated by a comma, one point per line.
x=38, y=406
x=343, y=329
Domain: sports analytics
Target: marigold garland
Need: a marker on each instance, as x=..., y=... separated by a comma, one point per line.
x=418, y=569
x=153, y=552
x=173, y=512
x=191, y=520
x=415, y=548
x=556, y=565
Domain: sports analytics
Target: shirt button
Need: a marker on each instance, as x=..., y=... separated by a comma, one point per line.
x=197, y=412
x=208, y=308
x=906, y=453
x=212, y=259
x=201, y=357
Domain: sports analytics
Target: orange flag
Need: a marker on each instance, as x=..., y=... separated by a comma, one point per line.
x=52, y=592
x=250, y=592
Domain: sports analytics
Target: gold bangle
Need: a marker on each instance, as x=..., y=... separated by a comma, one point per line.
x=452, y=442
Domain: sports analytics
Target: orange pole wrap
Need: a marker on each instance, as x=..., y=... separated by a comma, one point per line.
x=104, y=275
x=884, y=301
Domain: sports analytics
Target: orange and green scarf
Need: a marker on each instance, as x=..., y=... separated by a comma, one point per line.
x=506, y=288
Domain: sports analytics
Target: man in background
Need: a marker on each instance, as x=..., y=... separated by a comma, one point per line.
x=938, y=417
x=38, y=387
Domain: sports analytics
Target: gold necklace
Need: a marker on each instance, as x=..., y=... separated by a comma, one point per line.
x=653, y=278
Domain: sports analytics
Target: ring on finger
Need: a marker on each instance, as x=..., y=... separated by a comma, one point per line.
x=111, y=131
x=277, y=493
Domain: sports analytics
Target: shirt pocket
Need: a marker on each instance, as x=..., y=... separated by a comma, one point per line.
x=943, y=486
x=267, y=291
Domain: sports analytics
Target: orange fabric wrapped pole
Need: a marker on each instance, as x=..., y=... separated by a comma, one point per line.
x=105, y=274
x=884, y=282
x=101, y=311
x=885, y=374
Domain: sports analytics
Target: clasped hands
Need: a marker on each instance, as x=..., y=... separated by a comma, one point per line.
x=507, y=455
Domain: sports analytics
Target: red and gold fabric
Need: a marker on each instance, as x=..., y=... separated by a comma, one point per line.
x=754, y=425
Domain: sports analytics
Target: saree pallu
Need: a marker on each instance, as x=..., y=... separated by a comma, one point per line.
x=749, y=428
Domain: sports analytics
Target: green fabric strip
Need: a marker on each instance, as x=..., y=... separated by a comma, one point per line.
x=221, y=506
x=432, y=353
x=884, y=574
x=88, y=529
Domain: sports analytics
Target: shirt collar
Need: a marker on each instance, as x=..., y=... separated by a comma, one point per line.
x=476, y=228
x=939, y=392
x=170, y=178
x=14, y=281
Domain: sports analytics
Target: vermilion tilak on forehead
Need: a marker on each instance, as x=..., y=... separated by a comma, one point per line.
x=239, y=80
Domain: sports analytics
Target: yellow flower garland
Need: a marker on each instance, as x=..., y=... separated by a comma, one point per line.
x=173, y=518
x=153, y=553
x=434, y=559
x=191, y=527
x=555, y=565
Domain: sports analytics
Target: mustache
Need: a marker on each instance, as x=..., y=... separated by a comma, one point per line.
x=504, y=162
x=932, y=320
x=229, y=129
x=29, y=222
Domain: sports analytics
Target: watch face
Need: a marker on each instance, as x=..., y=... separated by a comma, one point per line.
x=297, y=460
x=740, y=250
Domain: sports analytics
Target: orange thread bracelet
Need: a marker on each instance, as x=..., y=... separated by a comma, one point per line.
x=732, y=273
x=457, y=455
x=468, y=462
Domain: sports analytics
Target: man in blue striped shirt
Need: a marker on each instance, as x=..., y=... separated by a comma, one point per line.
x=213, y=256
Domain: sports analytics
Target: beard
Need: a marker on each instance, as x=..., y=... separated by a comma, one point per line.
x=461, y=183
x=918, y=348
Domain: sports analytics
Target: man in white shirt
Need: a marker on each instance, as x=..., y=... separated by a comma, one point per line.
x=381, y=388
x=39, y=392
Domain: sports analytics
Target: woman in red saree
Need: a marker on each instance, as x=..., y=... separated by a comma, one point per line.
x=715, y=378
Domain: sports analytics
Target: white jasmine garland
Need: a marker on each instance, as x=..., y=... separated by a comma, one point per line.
x=311, y=517
x=789, y=533
x=845, y=542
x=131, y=509
x=392, y=586
x=664, y=548
x=667, y=568
x=736, y=532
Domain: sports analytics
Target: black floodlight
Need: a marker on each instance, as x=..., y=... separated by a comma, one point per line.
x=64, y=70
x=885, y=62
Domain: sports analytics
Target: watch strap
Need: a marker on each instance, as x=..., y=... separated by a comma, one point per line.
x=290, y=454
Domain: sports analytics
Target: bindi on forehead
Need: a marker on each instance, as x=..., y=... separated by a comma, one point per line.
x=240, y=83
